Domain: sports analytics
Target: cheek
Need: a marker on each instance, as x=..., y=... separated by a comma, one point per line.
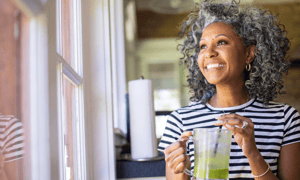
x=236, y=58
x=238, y=64
x=242, y=60
x=200, y=62
x=201, y=67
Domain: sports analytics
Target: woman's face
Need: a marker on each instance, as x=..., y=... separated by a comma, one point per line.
x=222, y=56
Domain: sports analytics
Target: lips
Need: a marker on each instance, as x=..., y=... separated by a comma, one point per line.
x=214, y=66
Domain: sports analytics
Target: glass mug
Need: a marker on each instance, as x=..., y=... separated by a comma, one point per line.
x=211, y=154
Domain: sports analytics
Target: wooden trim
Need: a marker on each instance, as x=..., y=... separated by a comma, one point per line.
x=155, y=25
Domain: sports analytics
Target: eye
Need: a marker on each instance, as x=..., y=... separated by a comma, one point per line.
x=222, y=42
x=203, y=46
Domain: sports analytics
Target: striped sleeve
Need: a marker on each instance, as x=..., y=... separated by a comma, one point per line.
x=291, y=126
x=12, y=140
x=172, y=132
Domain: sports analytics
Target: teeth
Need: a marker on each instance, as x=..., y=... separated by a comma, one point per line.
x=214, y=66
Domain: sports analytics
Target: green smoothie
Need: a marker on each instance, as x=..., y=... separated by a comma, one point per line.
x=212, y=167
x=212, y=173
x=211, y=154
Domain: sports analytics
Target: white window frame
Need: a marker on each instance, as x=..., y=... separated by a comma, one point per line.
x=73, y=74
x=118, y=64
x=35, y=92
x=41, y=101
x=63, y=68
x=100, y=44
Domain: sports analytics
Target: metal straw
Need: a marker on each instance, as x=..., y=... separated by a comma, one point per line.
x=219, y=134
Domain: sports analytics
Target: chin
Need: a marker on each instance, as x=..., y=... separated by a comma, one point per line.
x=214, y=80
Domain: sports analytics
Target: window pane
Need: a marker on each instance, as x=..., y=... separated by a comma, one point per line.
x=166, y=92
x=67, y=25
x=69, y=117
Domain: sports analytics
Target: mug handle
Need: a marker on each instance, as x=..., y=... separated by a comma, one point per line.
x=185, y=170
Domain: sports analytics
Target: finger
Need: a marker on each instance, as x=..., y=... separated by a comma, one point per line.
x=172, y=156
x=230, y=116
x=186, y=134
x=240, y=123
x=178, y=160
x=231, y=121
x=179, y=168
x=235, y=120
x=174, y=146
x=235, y=129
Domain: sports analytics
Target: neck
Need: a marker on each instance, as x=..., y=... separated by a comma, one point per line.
x=229, y=97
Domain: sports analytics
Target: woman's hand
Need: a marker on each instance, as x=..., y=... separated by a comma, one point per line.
x=244, y=137
x=175, y=154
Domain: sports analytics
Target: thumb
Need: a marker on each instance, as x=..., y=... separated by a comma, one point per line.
x=185, y=135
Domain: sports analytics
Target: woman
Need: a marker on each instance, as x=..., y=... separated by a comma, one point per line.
x=236, y=58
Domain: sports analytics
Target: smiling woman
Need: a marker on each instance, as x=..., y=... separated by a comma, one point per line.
x=236, y=57
x=223, y=55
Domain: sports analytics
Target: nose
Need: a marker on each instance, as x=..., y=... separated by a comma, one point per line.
x=211, y=52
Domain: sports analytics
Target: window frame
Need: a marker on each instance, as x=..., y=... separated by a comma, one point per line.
x=34, y=95
x=97, y=51
x=64, y=68
x=41, y=101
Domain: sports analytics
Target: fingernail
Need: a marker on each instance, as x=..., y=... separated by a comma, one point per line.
x=219, y=122
x=228, y=125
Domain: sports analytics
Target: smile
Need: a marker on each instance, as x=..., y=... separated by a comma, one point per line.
x=210, y=66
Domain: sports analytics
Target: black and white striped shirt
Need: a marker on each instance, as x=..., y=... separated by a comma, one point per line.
x=275, y=126
x=11, y=138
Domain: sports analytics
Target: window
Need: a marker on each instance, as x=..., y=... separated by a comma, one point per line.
x=158, y=61
x=166, y=93
x=52, y=89
x=70, y=90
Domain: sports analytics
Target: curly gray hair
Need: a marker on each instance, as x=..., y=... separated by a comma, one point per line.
x=255, y=27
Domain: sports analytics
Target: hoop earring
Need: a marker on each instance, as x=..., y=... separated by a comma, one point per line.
x=248, y=67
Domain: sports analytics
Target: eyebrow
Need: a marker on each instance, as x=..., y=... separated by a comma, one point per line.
x=221, y=35
x=218, y=36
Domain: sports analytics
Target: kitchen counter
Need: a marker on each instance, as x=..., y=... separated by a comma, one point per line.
x=138, y=169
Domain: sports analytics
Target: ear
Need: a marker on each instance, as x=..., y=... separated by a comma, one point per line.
x=250, y=53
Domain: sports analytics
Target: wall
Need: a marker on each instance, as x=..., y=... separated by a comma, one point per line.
x=157, y=27
x=154, y=25
x=289, y=14
x=292, y=89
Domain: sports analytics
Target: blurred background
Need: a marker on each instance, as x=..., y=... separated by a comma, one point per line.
x=64, y=72
x=153, y=50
